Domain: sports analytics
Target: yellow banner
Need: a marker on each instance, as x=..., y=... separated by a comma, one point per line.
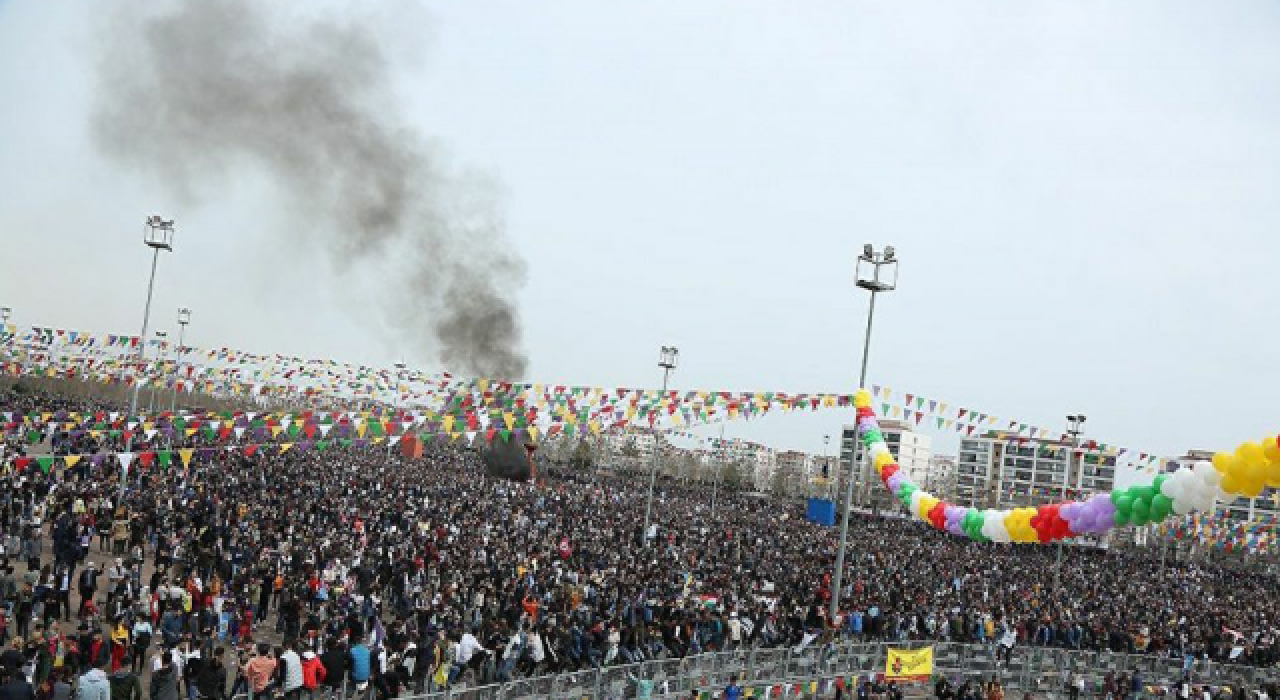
x=909, y=664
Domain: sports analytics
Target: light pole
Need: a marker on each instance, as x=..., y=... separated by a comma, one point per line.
x=667, y=361
x=826, y=467
x=871, y=278
x=715, y=478
x=158, y=236
x=1073, y=429
x=184, y=317
x=401, y=368
x=161, y=336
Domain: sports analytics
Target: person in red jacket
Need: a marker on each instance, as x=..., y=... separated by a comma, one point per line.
x=313, y=672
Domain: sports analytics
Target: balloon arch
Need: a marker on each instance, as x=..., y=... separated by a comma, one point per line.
x=1252, y=467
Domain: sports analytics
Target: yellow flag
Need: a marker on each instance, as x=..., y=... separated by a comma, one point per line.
x=909, y=664
x=71, y=460
x=185, y=454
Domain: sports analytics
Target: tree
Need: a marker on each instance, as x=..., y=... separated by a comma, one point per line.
x=781, y=482
x=583, y=456
x=733, y=474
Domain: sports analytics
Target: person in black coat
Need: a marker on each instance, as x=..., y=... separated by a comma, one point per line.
x=212, y=679
x=14, y=686
x=334, y=659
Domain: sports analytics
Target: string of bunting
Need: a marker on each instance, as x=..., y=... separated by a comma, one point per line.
x=1220, y=532
x=164, y=458
x=475, y=404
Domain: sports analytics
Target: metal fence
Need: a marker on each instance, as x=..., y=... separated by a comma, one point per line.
x=1038, y=670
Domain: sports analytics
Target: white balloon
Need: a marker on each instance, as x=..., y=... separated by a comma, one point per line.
x=878, y=449
x=993, y=526
x=1183, y=505
x=1205, y=496
x=917, y=496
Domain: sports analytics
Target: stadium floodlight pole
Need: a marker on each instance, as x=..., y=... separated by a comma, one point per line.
x=161, y=336
x=871, y=278
x=667, y=361
x=184, y=317
x=1073, y=429
x=401, y=369
x=715, y=478
x=826, y=462
x=157, y=235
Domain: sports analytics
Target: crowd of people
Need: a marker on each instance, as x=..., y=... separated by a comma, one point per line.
x=307, y=570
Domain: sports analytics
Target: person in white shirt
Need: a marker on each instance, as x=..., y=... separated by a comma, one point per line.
x=469, y=649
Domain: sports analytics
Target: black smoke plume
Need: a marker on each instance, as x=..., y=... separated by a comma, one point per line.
x=199, y=93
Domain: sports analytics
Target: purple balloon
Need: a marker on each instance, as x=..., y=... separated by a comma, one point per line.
x=1104, y=509
x=866, y=423
x=895, y=482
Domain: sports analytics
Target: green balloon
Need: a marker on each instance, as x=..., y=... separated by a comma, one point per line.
x=1124, y=504
x=1161, y=507
x=1158, y=484
x=1117, y=495
x=1141, y=509
x=1139, y=519
x=1120, y=519
x=1143, y=492
x=872, y=436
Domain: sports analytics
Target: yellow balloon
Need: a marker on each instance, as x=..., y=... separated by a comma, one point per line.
x=1251, y=489
x=1250, y=452
x=1235, y=467
x=1220, y=461
x=1271, y=450
x=1251, y=471
x=1231, y=484
x=883, y=459
x=862, y=399
x=1273, y=475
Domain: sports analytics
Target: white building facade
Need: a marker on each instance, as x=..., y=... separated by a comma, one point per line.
x=1006, y=470
x=913, y=451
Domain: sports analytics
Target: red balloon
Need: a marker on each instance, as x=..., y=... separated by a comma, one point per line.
x=938, y=515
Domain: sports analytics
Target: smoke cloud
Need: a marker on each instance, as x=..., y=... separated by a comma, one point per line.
x=200, y=93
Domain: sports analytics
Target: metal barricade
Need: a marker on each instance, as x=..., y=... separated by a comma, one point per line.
x=1041, y=671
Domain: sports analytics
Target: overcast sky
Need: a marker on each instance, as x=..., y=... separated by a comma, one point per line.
x=1085, y=197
